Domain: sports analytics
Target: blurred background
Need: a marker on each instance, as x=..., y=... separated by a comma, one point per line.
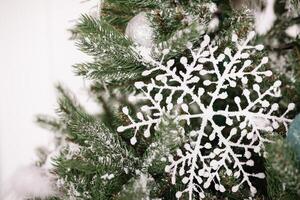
x=35, y=53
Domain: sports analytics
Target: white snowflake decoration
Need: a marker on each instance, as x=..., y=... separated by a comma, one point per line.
x=211, y=149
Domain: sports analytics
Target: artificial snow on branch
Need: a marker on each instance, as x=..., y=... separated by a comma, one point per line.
x=181, y=91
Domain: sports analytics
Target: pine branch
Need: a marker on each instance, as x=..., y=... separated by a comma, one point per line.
x=114, y=61
x=98, y=153
x=173, y=16
x=84, y=128
x=119, y=12
x=108, y=72
x=178, y=40
x=49, y=123
x=283, y=175
x=135, y=3
x=96, y=36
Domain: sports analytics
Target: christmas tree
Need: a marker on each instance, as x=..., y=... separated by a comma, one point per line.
x=196, y=100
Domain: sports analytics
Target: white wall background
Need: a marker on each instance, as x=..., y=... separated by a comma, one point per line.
x=35, y=53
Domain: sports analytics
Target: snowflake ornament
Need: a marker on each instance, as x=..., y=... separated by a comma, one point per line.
x=222, y=95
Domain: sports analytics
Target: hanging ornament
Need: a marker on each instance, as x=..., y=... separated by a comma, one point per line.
x=139, y=30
